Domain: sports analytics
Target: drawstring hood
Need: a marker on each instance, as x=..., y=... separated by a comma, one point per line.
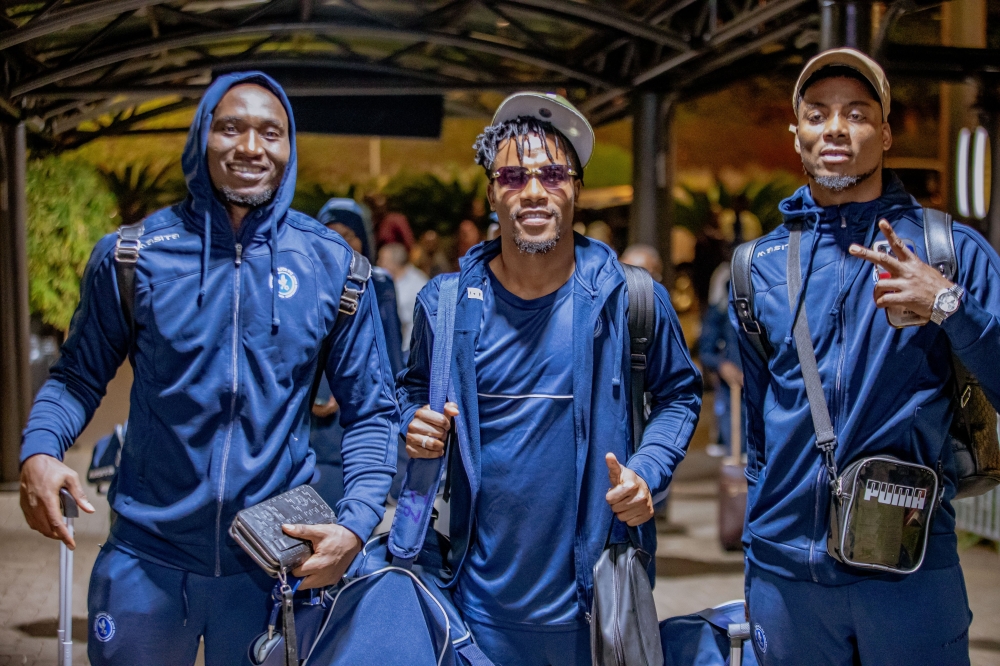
x=205, y=252
x=203, y=202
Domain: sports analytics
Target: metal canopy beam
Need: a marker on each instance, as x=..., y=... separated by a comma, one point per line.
x=68, y=18
x=340, y=29
x=605, y=16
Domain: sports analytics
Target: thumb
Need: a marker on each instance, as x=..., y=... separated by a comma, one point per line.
x=307, y=532
x=614, y=469
x=76, y=490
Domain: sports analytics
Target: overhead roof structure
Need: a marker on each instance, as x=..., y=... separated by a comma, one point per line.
x=79, y=70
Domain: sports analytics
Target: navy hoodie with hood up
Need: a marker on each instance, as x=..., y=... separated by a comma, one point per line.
x=224, y=366
x=887, y=388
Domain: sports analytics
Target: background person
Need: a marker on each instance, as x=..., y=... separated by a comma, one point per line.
x=887, y=389
x=409, y=280
x=347, y=217
x=232, y=302
x=541, y=388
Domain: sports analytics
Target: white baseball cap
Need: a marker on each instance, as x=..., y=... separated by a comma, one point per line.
x=854, y=59
x=554, y=109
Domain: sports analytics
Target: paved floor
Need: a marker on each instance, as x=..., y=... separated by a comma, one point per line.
x=696, y=573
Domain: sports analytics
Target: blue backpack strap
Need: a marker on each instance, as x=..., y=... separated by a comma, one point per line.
x=423, y=476
x=473, y=656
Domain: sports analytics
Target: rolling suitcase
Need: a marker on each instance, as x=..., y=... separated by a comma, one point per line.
x=732, y=480
x=65, y=654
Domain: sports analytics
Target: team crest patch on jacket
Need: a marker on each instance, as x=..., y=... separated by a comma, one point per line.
x=760, y=638
x=104, y=627
x=288, y=283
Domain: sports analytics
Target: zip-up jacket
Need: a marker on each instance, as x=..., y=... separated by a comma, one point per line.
x=888, y=389
x=228, y=336
x=601, y=415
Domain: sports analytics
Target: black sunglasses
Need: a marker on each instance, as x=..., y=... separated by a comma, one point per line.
x=551, y=176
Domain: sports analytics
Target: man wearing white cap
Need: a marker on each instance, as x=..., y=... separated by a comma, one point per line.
x=875, y=329
x=541, y=390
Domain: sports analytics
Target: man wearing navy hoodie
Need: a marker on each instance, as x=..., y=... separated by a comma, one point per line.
x=887, y=389
x=235, y=296
x=541, y=398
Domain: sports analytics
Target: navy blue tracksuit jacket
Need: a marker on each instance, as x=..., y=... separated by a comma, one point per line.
x=887, y=389
x=601, y=412
x=229, y=329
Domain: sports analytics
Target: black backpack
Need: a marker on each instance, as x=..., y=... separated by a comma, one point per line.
x=974, y=433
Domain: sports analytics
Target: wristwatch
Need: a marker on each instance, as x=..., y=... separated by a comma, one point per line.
x=946, y=303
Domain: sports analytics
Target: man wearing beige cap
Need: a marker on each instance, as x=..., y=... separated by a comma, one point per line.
x=540, y=470
x=867, y=364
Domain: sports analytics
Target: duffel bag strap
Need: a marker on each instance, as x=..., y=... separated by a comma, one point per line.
x=423, y=476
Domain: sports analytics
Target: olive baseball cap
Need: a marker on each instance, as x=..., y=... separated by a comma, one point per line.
x=846, y=57
x=555, y=109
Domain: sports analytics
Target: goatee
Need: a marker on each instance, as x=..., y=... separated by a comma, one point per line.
x=251, y=200
x=535, y=247
x=840, y=183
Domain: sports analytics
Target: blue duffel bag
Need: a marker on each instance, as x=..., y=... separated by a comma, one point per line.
x=391, y=608
x=717, y=636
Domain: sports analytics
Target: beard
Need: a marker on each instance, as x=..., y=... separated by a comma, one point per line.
x=251, y=200
x=527, y=246
x=840, y=183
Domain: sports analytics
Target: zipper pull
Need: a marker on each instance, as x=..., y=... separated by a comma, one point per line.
x=843, y=222
x=239, y=254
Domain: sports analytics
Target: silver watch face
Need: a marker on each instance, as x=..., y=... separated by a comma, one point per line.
x=947, y=301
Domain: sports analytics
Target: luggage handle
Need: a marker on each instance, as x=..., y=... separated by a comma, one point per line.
x=738, y=632
x=69, y=511
x=423, y=476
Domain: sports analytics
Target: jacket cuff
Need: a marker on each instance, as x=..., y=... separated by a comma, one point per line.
x=41, y=442
x=967, y=325
x=358, y=517
x=650, y=472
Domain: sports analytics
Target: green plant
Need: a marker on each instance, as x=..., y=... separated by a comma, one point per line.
x=434, y=203
x=695, y=207
x=142, y=188
x=69, y=209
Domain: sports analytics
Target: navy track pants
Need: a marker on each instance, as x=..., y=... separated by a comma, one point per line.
x=917, y=620
x=144, y=613
x=517, y=647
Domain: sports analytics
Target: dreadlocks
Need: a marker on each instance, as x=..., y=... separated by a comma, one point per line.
x=519, y=131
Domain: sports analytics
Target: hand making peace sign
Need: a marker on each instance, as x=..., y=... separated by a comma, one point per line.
x=912, y=285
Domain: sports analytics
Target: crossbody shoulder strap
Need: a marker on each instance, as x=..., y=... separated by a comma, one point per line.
x=423, y=476
x=826, y=440
x=743, y=298
x=641, y=320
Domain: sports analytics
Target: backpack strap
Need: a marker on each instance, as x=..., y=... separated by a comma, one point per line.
x=641, y=318
x=357, y=281
x=743, y=297
x=940, y=243
x=126, y=257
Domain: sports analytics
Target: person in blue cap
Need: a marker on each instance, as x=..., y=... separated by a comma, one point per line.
x=235, y=296
x=350, y=219
x=540, y=471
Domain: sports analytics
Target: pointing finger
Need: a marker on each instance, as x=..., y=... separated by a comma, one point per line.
x=898, y=246
x=880, y=259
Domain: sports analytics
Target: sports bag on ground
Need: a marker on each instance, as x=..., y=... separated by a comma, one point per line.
x=974, y=430
x=623, y=627
x=718, y=636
